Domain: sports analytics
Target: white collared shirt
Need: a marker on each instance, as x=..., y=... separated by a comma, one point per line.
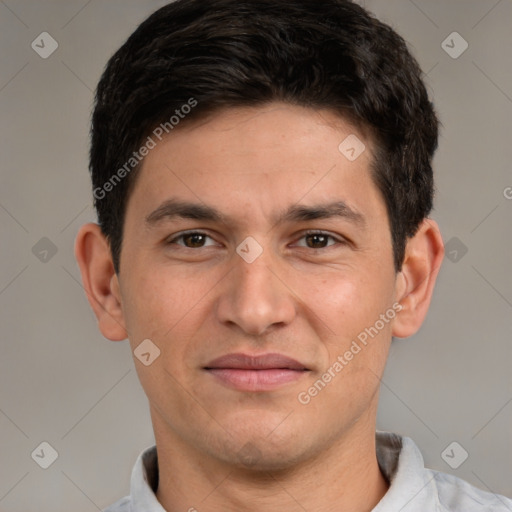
x=413, y=488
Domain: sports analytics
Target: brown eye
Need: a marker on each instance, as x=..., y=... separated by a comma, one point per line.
x=194, y=240
x=191, y=240
x=317, y=241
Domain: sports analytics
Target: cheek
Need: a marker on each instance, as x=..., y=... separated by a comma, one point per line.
x=167, y=311
x=173, y=308
x=154, y=303
x=349, y=305
x=347, y=300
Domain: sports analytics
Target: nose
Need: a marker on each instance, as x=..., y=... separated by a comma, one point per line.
x=256, y=298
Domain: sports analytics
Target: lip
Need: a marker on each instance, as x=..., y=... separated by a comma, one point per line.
x=256, y=373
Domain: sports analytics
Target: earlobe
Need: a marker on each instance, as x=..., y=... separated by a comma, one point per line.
x=415, y=282
x=94, y=258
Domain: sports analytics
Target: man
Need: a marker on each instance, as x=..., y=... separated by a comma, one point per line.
x=262, y=175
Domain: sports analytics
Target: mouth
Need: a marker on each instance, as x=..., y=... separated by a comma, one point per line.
x=256, y=373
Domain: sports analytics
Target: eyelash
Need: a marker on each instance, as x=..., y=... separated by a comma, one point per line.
x=339, y=241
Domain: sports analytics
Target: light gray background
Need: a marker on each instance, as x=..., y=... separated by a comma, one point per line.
x=61, y=382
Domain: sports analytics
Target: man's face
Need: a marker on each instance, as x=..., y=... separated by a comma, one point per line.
x=319, y=282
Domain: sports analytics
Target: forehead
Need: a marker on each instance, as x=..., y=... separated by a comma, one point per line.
x=250, y=160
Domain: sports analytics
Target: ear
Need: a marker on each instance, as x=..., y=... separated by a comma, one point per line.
x=92, y=252
x=424, y=254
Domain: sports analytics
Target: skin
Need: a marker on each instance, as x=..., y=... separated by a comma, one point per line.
x=219, y=448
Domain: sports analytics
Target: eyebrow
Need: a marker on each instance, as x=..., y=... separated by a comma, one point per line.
x=338, y=209
x=173, y=208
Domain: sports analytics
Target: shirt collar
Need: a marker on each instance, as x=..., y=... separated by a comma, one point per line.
x=144, y=483
x=412, y=488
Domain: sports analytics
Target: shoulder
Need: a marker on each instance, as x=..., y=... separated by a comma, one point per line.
x=123, y=505
x=457, y=495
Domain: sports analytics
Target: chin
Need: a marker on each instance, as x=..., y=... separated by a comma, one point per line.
x=252, y=460
x=262, y=455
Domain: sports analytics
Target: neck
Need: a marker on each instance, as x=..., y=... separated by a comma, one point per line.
x=345, y=477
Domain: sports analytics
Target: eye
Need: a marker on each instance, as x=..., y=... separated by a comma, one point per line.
x=192, y=240
x=318, y=240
